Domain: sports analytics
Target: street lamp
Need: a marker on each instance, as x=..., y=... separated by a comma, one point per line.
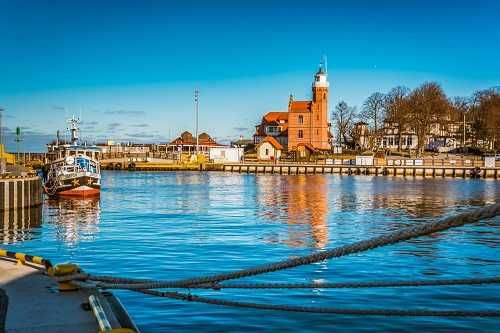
x=196, y=100
x=1, y=134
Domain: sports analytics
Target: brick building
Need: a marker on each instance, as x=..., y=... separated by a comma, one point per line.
x=305, y=122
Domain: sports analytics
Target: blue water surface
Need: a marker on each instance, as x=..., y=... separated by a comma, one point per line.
x=179, y=225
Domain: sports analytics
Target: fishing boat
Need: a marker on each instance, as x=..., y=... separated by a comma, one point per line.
x=72, y=169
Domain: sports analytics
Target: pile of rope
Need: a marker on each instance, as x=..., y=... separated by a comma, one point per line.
x=216, y=282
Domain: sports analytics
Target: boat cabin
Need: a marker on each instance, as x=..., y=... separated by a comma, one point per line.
x=56, y=152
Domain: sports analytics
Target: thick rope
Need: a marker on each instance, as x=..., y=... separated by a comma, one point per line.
x=390, y=238
x=308, y=309
x=317, y=285
x=352, y=285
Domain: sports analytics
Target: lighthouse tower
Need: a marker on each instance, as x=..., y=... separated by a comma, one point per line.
x=319, y=109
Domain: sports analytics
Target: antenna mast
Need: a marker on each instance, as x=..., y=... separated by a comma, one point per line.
x=73, y=122
x=1, y=135
x=196, y=101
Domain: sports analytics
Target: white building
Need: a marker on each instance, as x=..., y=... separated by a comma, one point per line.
x=225, y=154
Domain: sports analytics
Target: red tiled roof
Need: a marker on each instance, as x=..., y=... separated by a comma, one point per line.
x=275, y=117
x=298, y=106
x=307, y=145
x=273, y=142
x=187, y=138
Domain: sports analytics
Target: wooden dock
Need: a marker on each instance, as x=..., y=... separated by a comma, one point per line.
x=404, y=171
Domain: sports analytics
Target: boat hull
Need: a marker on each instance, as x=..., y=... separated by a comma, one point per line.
x=79, y=187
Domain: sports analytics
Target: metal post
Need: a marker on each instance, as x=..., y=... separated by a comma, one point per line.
x=1, y=134
x=464, y=131
x=18, y=141
x=196, y=99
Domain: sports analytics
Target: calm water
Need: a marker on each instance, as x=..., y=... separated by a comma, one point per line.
x=178, y=225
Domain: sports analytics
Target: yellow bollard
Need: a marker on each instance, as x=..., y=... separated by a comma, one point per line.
x=61, y=270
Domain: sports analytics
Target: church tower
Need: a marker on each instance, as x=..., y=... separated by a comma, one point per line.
x=319, y=118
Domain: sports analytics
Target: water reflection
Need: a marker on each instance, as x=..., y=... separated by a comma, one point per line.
x=300, y=201
x=74, y=219
x=17, y=225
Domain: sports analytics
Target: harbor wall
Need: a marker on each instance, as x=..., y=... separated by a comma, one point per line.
x=404, y=171
x=19, y=192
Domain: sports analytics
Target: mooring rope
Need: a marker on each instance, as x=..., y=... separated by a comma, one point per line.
x=353, y=285
x=361, y=246
x=84, y=280
x=314, y=285
x=309, y=309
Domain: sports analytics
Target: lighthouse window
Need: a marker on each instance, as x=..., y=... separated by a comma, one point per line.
x=301, y=134
x=301, y=119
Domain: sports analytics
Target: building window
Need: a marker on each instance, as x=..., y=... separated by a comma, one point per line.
x=301, y=119
x=301, y=134
x=317, y=132
x=267, y=152
x=409, y=141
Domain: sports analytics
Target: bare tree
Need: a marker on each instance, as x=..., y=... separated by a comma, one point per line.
x=428, y=106
x=343, y=116
x=459, y=110
x=485, y=112
x=397, y=110
x=373, y=114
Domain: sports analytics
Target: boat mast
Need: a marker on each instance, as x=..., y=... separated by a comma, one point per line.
x=73, y=122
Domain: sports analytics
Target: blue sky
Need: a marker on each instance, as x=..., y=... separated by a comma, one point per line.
x=130, y=67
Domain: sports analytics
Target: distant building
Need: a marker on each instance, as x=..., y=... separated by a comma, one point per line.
x=360, y=135
x=274, y=124
x=390, y=138
x=186, y=142
x=269, y=149
x=225, y=154
x=246, y=144
x=305, y=122
x=308, y=120
x=111, y=147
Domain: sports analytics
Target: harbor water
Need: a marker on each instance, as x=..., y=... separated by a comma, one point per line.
x=187, y=224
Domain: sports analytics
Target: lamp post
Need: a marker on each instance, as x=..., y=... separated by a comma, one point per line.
x=18, y=140
x=196, y=101
x=1, y=134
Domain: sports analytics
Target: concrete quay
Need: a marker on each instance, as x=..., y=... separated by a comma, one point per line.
x=404, y=171
x=36, y=305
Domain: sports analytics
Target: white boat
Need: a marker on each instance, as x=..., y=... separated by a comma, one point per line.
x=72, y=169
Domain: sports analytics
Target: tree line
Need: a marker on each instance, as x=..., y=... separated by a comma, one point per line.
x=419, y=111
